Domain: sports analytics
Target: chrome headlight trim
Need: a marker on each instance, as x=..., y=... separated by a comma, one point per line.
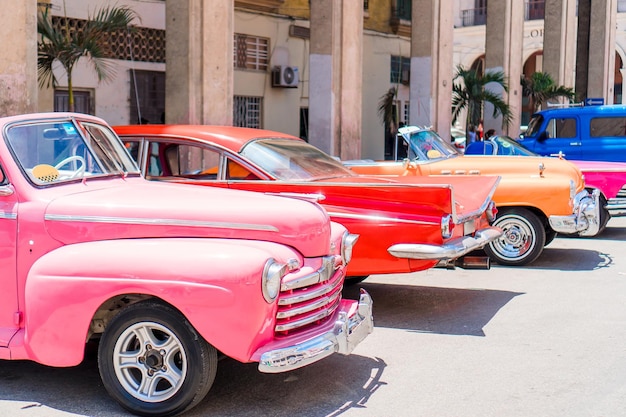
x=273, y=274
x=347, y=244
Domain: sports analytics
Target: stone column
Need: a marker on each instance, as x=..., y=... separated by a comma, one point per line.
x=199, y=56
x=505, y=29
x=18, y=64
x=335, y=86
x=431, y=64
x=595, y=58
x=601, y=66
x=559, y=41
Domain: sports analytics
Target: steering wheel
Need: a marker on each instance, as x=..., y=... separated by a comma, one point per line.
x=81, y=169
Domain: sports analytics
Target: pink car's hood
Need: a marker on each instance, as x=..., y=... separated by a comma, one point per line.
x=138, y=208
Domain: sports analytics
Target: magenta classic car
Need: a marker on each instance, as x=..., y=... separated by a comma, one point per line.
x=161, y=276
x=608, y=177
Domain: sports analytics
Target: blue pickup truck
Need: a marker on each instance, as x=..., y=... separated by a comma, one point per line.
x=592, y=133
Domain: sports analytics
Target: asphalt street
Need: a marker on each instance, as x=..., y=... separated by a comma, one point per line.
x=545, y=340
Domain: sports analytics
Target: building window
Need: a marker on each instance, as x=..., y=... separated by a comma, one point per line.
x=366, y=5
x=405, y=118
x=535, y=10
x=82, y=101
x=403, y=9
x=147, y=97
x=247, y=111
x=251, y=52
x=304, y=123
x=400, y=69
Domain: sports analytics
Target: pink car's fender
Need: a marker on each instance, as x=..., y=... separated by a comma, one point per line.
x=67, y=286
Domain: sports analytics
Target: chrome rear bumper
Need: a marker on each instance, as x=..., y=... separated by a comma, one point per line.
x=452, y=249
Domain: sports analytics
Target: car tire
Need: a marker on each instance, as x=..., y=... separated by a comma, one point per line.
x=153, y=362
x=550, y=236
x=522, y=241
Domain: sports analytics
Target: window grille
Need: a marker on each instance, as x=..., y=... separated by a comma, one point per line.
x=247, y=111
x=251, y=52
x=82, y=101
x=140, y=44
x=398, y=65
x=403, y=9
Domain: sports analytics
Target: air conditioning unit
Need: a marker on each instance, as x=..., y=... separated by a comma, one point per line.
x=285, y=76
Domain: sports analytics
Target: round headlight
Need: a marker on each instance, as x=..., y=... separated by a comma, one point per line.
x=272, y=277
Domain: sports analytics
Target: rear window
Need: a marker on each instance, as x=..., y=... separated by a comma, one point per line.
x=608, y=126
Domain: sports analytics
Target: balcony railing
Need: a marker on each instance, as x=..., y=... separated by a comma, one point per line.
x=474, y=17
x=535, y=10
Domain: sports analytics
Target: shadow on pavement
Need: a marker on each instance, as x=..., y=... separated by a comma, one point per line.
x=433, y=309
x=326, y=388
x=571, y=260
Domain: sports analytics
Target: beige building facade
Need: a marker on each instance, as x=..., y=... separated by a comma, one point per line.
x=268, y=67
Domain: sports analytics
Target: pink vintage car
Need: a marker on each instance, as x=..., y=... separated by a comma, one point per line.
x=162, y=276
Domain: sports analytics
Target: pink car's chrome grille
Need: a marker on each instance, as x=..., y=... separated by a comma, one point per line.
x=310, y=299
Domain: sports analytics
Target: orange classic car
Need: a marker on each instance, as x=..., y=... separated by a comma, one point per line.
x=404, y=224
x=536, y=198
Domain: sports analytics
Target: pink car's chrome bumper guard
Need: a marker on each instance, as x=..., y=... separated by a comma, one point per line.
x=353, y=322
x=452, y=249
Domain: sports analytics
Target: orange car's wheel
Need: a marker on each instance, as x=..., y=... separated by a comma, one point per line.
x=522, y=241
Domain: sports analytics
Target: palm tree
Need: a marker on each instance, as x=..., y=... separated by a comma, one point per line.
x=540, y=88
x=67, y=45
x=469, y=93
x=388, y=113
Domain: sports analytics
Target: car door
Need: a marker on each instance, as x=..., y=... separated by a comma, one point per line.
x=606, y=139
x=560, y=137
x=9, y=318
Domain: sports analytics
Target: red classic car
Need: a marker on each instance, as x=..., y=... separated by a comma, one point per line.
x=608, y=177
x=161, y=276
x=404, y=224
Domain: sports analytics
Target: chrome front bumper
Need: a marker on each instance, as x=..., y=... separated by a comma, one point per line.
x=353, y=324
x=585, y=219
x=453, y=249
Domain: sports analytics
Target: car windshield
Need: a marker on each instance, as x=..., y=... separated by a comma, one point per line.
x=293, y=160
x=505, y=145
x=51, y=152
x=534, y=125
x=425, y=145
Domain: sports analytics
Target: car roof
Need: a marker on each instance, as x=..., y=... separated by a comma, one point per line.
x=595, y=110
x=230, y=137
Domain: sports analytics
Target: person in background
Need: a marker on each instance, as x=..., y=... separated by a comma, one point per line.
x=480, y=130
x=490, y=133
x=471, y=134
